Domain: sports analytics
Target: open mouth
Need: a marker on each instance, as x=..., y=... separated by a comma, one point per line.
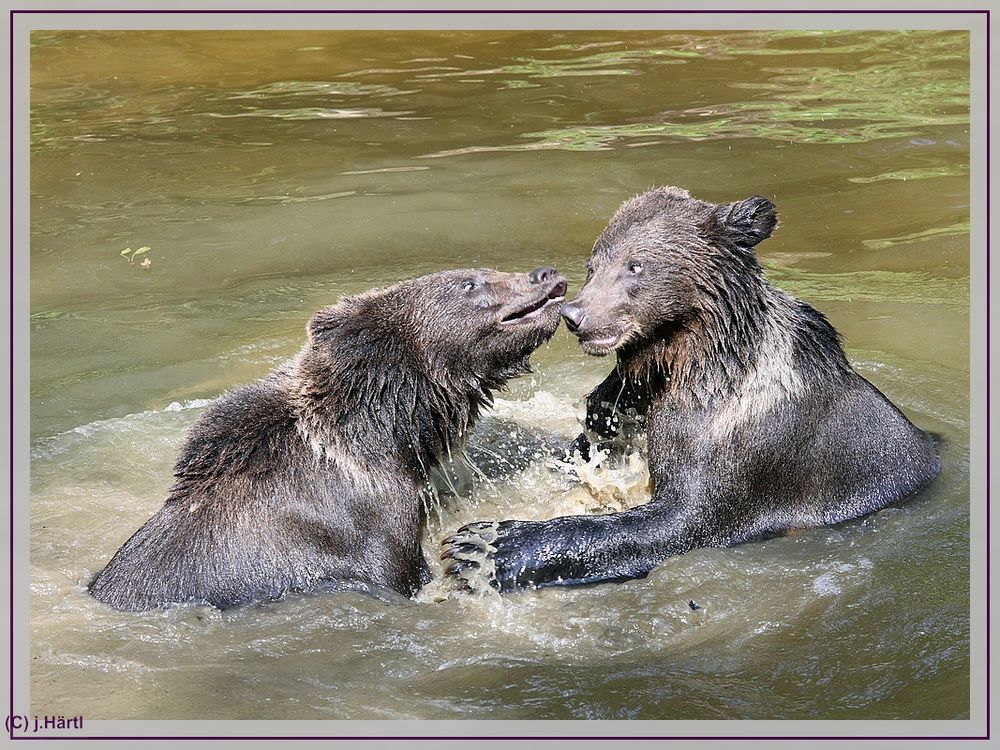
x=599, y=346
x=533, y=309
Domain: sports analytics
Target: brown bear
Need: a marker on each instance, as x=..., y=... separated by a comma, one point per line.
x=311, y=478
x=755, y=422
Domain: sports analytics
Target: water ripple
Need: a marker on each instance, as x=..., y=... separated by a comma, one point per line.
x=318, y=88
x=313, y=113
x=871, y=286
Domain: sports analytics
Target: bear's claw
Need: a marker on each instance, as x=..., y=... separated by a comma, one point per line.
x=471, y=552
x=462, y=550
x=459, y=566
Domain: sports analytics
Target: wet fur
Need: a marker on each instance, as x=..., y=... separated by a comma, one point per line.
x=755, y=421
x=311, y=478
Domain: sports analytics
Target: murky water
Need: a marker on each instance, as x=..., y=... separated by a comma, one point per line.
x=270, y=174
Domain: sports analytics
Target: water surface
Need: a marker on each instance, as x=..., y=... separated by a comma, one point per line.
x=269, y=174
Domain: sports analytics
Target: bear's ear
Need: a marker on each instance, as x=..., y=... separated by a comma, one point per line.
x=325, y=321
x=747, y=222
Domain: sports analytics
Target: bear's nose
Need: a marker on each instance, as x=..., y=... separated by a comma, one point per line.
x=574, y=315
x=541, y=275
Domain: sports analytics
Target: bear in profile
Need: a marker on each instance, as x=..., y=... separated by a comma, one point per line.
x=755, y=422
x=311, y=478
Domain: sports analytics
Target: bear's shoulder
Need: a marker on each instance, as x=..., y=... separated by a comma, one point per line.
x=244, y=431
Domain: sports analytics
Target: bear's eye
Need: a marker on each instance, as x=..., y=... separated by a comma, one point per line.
x=470, y=285
x=590, y=272
x=635, y=267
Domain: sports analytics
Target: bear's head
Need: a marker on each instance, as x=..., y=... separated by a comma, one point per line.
x=464, y=329
x=662, y=259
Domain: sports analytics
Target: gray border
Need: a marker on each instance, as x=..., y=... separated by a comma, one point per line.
x=979, y=269
x=739, y=18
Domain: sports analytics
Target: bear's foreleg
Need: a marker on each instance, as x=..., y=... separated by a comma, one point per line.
x=616, y=417
x=571, y=550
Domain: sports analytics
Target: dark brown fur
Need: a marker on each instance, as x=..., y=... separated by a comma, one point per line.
x=755, y=421
x=311, y=478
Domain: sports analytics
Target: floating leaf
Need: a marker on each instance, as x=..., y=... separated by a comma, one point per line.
x=126, y=251
x=140, y=251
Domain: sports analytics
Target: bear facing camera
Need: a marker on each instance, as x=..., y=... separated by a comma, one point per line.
x=310, y=479
x=755, y=422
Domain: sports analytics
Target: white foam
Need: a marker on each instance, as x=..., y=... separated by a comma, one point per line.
x=195, y=403
x=54, y=444
x=616, y=487
x=542, y=408
x=826, y=584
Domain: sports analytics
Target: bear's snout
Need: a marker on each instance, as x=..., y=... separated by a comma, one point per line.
x=574, y=315
x=543, y=274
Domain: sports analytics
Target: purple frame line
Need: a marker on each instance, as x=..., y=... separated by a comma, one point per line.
x=439, y=738
x=897, y=11
x=987, y=530
x=498, y=11
x=10, y=711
